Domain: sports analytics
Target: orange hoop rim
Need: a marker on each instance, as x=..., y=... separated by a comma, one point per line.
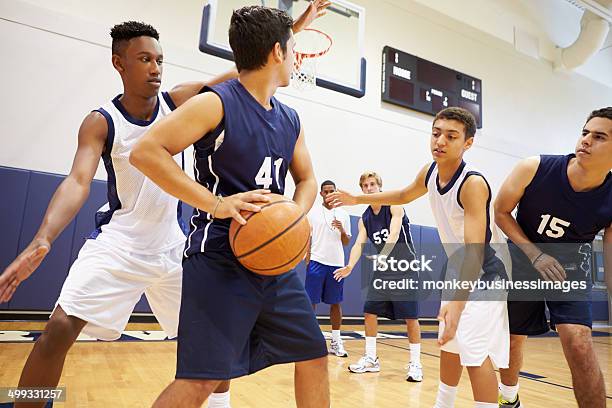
x=300, y=56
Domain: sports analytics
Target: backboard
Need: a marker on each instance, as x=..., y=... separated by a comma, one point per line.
x=342, y=69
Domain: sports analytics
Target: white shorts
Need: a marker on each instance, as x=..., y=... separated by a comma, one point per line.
x=482, y=332
x=105, y=283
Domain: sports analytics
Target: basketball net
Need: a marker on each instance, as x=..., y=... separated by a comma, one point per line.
x=310, y=45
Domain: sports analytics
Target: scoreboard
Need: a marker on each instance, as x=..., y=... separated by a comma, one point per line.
x=427, y=87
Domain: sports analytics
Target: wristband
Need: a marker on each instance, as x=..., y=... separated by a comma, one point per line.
x=537, y=258
x=219, y=201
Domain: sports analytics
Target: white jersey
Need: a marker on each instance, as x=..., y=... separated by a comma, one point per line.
x=326, y=246
x=483, y=328
x=139, y=216
x=447, y=209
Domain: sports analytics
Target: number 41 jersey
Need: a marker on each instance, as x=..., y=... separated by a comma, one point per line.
x=251, y=149
x=550, y=211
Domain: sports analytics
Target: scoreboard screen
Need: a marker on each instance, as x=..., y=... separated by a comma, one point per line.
x=424, y=86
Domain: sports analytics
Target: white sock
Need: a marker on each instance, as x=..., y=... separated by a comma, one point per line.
x=371, y=347
x=508, y=392
x=415, y=353
x=219, y=400
x=335, y=335
x=446, y=396
x=485, y=404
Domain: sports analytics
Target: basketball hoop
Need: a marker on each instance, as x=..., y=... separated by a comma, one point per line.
x=310, y=45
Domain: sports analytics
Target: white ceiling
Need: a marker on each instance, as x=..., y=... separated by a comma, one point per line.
x=553, y=22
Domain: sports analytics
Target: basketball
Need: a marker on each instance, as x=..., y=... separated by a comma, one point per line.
x=274, y=240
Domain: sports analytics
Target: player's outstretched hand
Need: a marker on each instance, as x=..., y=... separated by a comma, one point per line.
x=231, y=206
x=450, y=314
x=549, y=268
x=342, y=273
x=22, y=267
x=339, y=198
x=316, y=9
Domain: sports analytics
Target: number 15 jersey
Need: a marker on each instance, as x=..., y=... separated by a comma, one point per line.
x=550, y=211
x=251, y=148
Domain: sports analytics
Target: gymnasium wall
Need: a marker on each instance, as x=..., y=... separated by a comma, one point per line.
x=56, y=68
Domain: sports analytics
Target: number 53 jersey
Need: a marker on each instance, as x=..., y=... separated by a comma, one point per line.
x=251, y=149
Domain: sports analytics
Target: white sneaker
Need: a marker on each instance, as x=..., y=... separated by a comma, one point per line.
x=415, y=372
x=337, y=348
x=366, y=364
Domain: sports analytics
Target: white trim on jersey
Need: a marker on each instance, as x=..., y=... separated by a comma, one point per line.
x=406, y=240
x=197, y=213
x=214, y=191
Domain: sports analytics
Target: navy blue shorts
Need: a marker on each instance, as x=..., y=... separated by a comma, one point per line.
x=529, y=317
x=234, y=322
x=321, y=285
x=392, y=310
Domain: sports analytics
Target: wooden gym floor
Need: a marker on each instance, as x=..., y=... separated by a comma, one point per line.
x=131, y=374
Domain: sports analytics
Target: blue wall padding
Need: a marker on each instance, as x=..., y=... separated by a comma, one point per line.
x=41, y=290
x=14, y=184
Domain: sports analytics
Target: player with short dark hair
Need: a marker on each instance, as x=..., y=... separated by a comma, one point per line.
x=234, y=322
x=460, y=201
x=330, y=232
x=563, y=202
x=139, y=226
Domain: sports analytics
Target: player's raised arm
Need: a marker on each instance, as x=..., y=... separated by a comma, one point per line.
x=182, y=92
x=394, y=197
x=362, y=238
x=316, y=9
x=303, y=175
x=509, y=195
x=173, y=134
x=64, y=205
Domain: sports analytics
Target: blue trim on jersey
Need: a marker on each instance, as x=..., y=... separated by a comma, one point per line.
x=452, y=182
x=126, y=115
x=488, y=233
x=468, y=174
x=104, y=217
x=169, y=100
x=429, y=171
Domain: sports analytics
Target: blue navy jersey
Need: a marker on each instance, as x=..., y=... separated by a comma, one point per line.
x=251, y=148
x=550, y=211
x=378, y=227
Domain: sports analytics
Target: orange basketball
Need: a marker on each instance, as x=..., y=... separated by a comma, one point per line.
x=274, y=240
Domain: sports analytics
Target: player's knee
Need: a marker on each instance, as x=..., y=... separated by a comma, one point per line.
x=580, y=348
x=59, y=335
x=317, y=364
x=579, y=351
x=202, y=387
